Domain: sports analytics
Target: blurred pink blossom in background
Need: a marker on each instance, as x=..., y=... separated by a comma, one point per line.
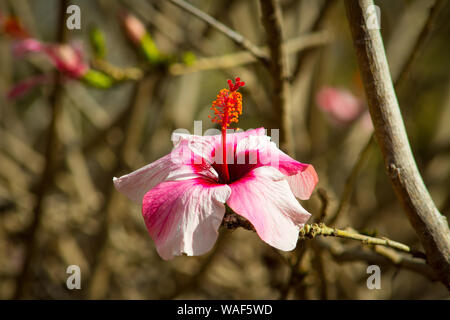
x=67, y=58
x=134, y=28
x=26, y=85
x=341, y=106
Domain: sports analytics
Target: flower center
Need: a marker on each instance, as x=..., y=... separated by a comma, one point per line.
x=227, y=107
x=239, y=166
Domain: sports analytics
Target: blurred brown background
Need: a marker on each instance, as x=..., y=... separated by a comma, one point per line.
x=103, y=133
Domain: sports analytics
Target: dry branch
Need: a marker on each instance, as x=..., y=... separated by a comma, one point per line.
x=421, y=39
x=272, y=22
x=47, y=174
x=230, y=33
x=379, y=255
x=398, y=81
x=244, y=57
x=431, y=227
x=135, y=123
x=302, y=57
x=233, y=220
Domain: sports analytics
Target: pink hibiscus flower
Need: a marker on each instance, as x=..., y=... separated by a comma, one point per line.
x=184, y=193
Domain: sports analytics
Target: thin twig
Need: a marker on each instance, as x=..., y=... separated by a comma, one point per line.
x=224, y=10
x=117, y=73
x=272, y=22
x=421, y=39
x=318, y=262
x=77, y=163
x=295, y=272
x=199, y=275
x=351, y=180
x=233, y=220
x=325, y=200
x=415, y=263
x=431, y=227
x=135, y=123
x=310, y=231
x=244, y=57
x=302, y=57
x=230, y=33
x=46, y=178
x=379, y=255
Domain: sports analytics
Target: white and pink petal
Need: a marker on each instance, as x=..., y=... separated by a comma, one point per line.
x=264, y=198
x=180, y=164
x=258, y=151
x=183, y=217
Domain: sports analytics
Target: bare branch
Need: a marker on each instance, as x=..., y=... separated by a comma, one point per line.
x=233, y=220
x=351, y=180
x=421, y=39
x=302, y=57
x=272, y=22
x=314, y=230
x=47, y=175
x=430, y=225
x=135, y=122
x=245, y=57
x=379, y=255
x=239, y=39
x=399, y=79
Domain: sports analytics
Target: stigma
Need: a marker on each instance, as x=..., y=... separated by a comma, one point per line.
x=228, y=104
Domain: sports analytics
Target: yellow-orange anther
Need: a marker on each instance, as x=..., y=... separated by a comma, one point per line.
x=227, y=108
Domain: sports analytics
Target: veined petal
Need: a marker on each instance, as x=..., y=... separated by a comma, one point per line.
x=258, y=151
x=180, y=164
x=303, y=183
x=302, y=177
x=264, y=198
x=184, y=216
